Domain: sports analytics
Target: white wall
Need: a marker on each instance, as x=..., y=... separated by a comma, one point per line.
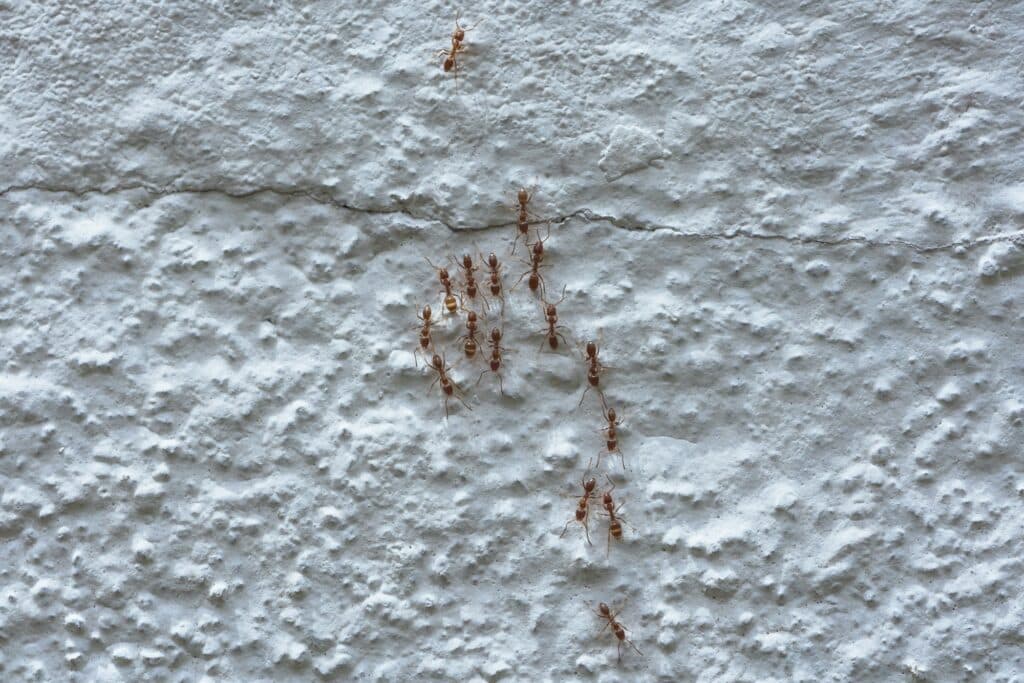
x=796, y=230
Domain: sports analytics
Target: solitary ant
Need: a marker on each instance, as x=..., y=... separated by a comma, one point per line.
x=551, y=316
x=612, y=437
x=614, y=519
x=604, y=612
x=425, y=339
x=470, y=345
x=446, y=284
x=537, y=257
x=449, y=387
x=523, y=224
x=583, y=507
x=594, y=370
x=458, y=36
x=496, y=349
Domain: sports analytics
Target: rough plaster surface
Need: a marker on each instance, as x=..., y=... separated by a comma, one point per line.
x=795, y=227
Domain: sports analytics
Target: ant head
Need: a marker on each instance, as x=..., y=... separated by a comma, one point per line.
x=611, y=414
x=471, y=317
x=437, y=362
x=590, y=485
x=604, y=609
x=442, y=273
x=458, y=35
x=551, y=311
x=607, y=498
x=591, y=349
x=492, y=260
x=449, y=62
x=467, y=262
x=538, y=248
x=496, y=335
x=524, y=196
x=427, y=312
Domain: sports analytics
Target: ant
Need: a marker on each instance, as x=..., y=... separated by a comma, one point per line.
x=583, y=507
x=614, y=519
x=522, y=223
x=612, y=438
x=605, y=612
x=458, y=36
x=495, y=276
x=535, y=263
x=467, y=273
x=496, y=349
x=448, y=386
x=425, y=339
x=471, y=345
x=551, y=315
x=446, y=283
x=593, y=372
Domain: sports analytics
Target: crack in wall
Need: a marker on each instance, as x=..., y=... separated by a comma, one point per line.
x=324, y=198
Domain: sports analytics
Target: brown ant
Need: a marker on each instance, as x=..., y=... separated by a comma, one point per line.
x=523, y=224
x=446, y=283
x=426, y=341
x=495, y=277
x=614, y=519
x=467, y=275
x=612, y=438
x=448, y=386
x=458, y=36
x=496, y=349
x=605, y=612
x=594, y=370
x=551, y=316
x=583, y=507
x=535, y=263
x=471, y=345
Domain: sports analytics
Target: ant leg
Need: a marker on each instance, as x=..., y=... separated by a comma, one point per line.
x=501, y=384
x=432, y=384
x=584, y=395
x=586, y=529
x=519, y=280
x=619, y=644
x=622, y=459
x=608, y=551
x=566, y=527
x=562, y=337
x=634, y=647
x=480, y=377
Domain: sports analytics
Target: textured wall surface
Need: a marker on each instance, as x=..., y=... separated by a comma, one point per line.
x=796, y=229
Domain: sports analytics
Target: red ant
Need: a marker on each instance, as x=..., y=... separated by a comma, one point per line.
x=448, y=386
x=425, y=339
x=458, y=36
x=446, y=283
x=523, y=224
x=583, y=507
x=612, y=438
x=614, y=519
x=495, y=277
x=551, y=315
x=605, y=612
x=471, y=345
x=496, y=349
x=467, y=274
x=535, y=263
x=593, y=372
